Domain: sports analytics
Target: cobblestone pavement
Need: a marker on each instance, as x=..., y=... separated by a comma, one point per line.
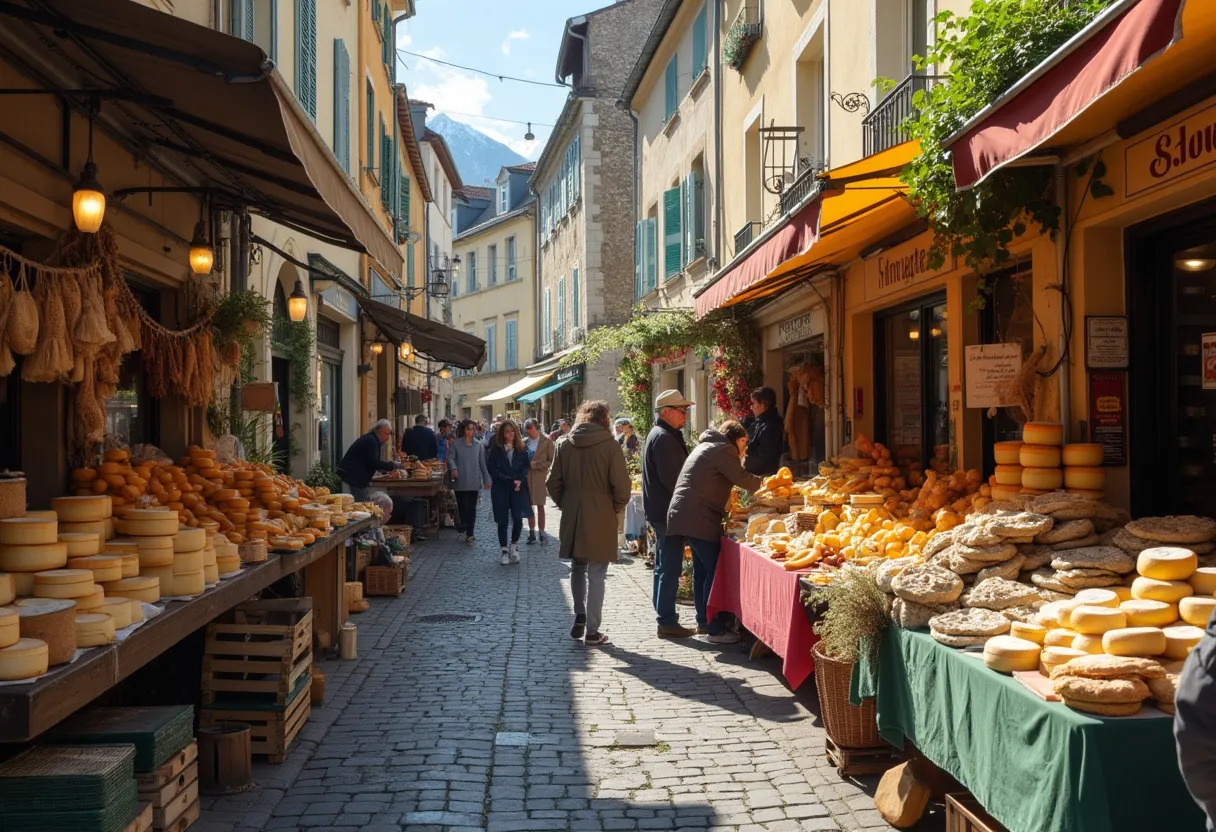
x=505, y=723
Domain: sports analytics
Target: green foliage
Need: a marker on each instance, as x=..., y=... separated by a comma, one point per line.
x=255, y=431
x=855, y=617
x=737, y=45
x=296, y=341
x=984, y=54
x=322, y=474
x=242, y=318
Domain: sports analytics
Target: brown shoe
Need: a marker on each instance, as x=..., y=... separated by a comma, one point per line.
x=702, y=631
x=675, y=631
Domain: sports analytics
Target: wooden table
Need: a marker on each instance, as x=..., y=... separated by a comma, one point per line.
x=429, y=490
x=28, y=710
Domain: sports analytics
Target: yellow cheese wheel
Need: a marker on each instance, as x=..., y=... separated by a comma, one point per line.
x=209, y=556
x=147, y=526
x=189, y=540
x=119, y=609
x=1196, y=611
x=186, y=584
x=1147, y=613
x=227, y=565
x=1094, y=621
x=1098, y=598
x=1150, y=589
x=187, y=562
x=104, y=567
x=1005, y=493
x=1134, y=641
x=1203, y=580
x=8, y=588
x=42, y=514
x=155, y=557
x=1167, y=563
x=1181, y=640
x=1043, y=433
x=63, y=577
x=63, y=590
x=94, y=629
x=1123, y=593
x=1028, y=630
x=1005, y=654
x=82, y=509
x=81, y=545
x=1088, y=644
x=1087, y=478
x=1085, y=454
x=1039, y=456
x=10, y=626
x=28, y=531
x=1041, y=479
x=211, y=574
x=137, y=610
x=90, y=602
x=1052, y=657
x=33, y=558
x=143, y=588
x=1008, y=475
x=23, y=660
x=1049, y=614
x=1059, y=637
x=23, y=582
x=102, y=528
x=1006, y=453
x=130, y=565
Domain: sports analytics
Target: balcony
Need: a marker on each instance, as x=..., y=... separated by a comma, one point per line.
x=742, y=35
x=884, y=126
x=745, y=235
x=806, y=184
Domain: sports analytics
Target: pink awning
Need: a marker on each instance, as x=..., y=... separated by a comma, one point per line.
x=1080, y=73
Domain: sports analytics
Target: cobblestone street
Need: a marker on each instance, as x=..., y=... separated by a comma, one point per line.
x=504, y=723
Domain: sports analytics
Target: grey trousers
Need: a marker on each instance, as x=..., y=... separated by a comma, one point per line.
x=588, y=596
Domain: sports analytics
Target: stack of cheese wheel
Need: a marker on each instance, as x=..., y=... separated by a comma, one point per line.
x=148, y=522
x=1040, y=457
x=29, y=545
x=1160, y=592
x=185, y=575
x=93, y=514
x=10, y=626
x=81, y=544
x=120, y=609
x=94, y=629
x=52, y=621
x=143, y=589
x=24, y=659
x=1007, y=480
x=63, y=584
x=1006, y=654
x=8, y=589
x=211, y=568
x=105, y=568
x=1083, y=471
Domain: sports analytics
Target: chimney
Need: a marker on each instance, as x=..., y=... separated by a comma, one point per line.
x=418, y=111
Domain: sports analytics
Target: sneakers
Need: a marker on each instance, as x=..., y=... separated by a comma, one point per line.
x=513, y=552
x=596, y=640
x=531, y=536
x=675, y=631
x=506, y=560
x=580, y=627
x=725, y=638
x=541, y=537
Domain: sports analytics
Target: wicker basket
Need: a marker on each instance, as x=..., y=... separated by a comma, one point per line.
x=402, y=532
x=253, y=551
x=12, y=497
x=385, y=580
x=849, y=726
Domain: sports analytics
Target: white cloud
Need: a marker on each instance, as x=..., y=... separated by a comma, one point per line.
x=518, y=34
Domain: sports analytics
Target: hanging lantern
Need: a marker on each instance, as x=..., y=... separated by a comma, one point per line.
x=529, y=136
x=445, y=373
x=201, y=256
x=376, y=348
x=407, y=349
x=88, y=201
x=297, y=304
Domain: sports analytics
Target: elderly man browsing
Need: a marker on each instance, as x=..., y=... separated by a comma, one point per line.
x=362, y=462
x=663, y=457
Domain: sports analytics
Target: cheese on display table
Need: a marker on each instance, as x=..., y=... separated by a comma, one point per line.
x=28, y=531
x=1167, y=563
x=1098, y=597
x=1086, y=454
x=23, y=660
x=104, y=567
x=1086, y=478
x=90, y=602
x=119, y=609
x=104, y=529
x=148, y=523
x=23, y=582
x=144, y=588
x=8, y=588
x=81, y=545
x=63, y=583
x=1196, y=610
x=130, y=565
x=228, y=564
x=188, y=562
x=1041, y=479
x=53, y=622
x=1203, y=580
x=1008, y=475
x=1007, y=453
x=185, y=584
x=1039, y=456
x=1094, y=621
x=1043, y=433
x=1150, y=589
x=1052, y=657
x=94, y=629
x=1028, y=631
x=1059, y=637
x=1181, y=640
x=1134, y=641
x=33, y=557
x=1088, y=644
x=189, y=540
x=137, y=610
x=10, y=626
x=82, y=509
x=1006, y=654
x=1144, y=613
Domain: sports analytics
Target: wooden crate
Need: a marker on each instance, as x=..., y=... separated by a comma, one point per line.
x=142, y=822
x=965, y=814
x=169, y=771
x=271, y=729
x=264, y=651
x=385, y=580
x=177, y=813
x=181, y=822
x=855, y=761
x=269, y=677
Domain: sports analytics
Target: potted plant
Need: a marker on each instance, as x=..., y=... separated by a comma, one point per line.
x=240, y=320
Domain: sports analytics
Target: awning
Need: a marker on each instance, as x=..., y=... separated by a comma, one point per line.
x=429, y=338
x=850, y=197
x=211, y=105
x=1127, y=58
x=536, y=395
x=513, y=389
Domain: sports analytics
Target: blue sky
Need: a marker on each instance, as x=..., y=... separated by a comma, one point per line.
x=514, y=37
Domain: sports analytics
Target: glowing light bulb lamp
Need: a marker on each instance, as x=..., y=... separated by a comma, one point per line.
x=297, y=303
x=202, y=258
x=88, y=201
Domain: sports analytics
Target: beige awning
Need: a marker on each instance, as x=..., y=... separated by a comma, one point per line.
x=515, y=388
x=211, y=106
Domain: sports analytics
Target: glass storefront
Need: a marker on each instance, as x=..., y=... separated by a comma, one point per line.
x=912, y=393
x=1007, y=318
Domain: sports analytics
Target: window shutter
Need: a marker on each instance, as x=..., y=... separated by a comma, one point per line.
x=578, y=165
x=672, y=87
x=403, y=209
x=242, y=19
x=409, y=265
x=561, y=305
x=652, y=253
x=673, y=240
x=700, y=33
x=388, y=47
x=574, y=308
x=686, y=198
x=342, y=104
x=371, y=128
x=306, y=55
x=698, y=214
x=639, y=239
x=512, y=361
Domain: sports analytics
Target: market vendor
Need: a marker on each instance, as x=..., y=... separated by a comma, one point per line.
x=362, y=462
x=765, y=434
x=419, y=441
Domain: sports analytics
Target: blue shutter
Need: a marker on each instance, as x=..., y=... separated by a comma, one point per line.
x=700, y=249
x=672, y=97
x=403, y=200
x=700, y=34
x=673, y=240
x=639, y=243
x=306, y=55
x=574, y=312
x=371, y=128
x=512, y=360
x=491, y=348
x=342, y=104
x=242, y=19
x=546, y=318
x=687, y=195
x=578, y=169
x=652, y=253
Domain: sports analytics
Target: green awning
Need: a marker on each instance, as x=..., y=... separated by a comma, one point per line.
x=529, y=398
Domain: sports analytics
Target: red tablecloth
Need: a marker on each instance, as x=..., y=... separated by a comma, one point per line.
x=766, y=599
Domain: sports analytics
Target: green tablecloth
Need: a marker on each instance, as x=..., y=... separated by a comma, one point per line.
x=1036, y=766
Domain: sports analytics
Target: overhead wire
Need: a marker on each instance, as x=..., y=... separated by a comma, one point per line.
x=487, y=72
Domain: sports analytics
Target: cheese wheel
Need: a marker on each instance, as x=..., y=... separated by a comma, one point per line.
x=1085, y=454
x=1088, y=644
x=1181, y=640
x=189, y=540
x=1123, y=593
x=1097, y=598
x=1043, y=433
x=81, y=545
x=1008, y=475
x=1150, y=589
x=209, y=556
x=227, y=564
x=144, y=588
x=94, y=629
x=23, y=582
x=1059, y=637
x=1028, y=631
x=155, y=557
x=1203, y=580
x=65, y=591
x=1049, y=614
x=104, y=529
x=186, y=584
x=42, y=514
x=52, y=621
x=211, y=575
x=187, y=562
x=10, y=626
x=1196, y=611
x=223, y=495
x=8, y=588
x=130, y=565
x=28, y=531
x=1094, y=621
x=1146, y=613
x=104, y=567
x=33, y=558
x=1005, y=654
x=1167, y=563
x=122, y=545
x=1087, y=478
x=118, y=609
x=1042, y=479
x=1005, y=493
x=1134, y=641
x=82, y=509
x=1006, y=453
x=1039, y=456
x=145, y=526
x=1064, y=611
x=1052, y=657
x=137, y=610
x=23, y=660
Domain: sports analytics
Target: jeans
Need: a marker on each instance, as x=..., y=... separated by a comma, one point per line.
x=704, y=564
x=466, y=507
x=517, y=526
x=587, y=587
x=668, y=566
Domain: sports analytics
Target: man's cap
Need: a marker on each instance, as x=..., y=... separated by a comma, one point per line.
x=671, y=398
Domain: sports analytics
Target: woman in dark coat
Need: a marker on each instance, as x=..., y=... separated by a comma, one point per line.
x=509, y=467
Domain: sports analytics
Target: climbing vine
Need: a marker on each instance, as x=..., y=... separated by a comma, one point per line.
x=296, y=341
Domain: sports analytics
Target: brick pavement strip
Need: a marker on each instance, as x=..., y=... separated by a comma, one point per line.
x=507, y=725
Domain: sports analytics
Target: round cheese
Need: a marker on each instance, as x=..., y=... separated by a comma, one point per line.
x=130, y=565
x=28, y=531
x=1008, y=475
x=188, y=562
x=104, y=567
x=1196, y=611
x=1085, y=454
x=143, y=588
x=1123, y=593
x=1088, y=644
x=82, y=509
x=1134, y=641
x=211, y=575
x=1059, y=637
x=33, y=558
x=227, y=565
x=25, y=659
x=1203, y=580
x=102, y=528
x=90, y=602
x=1087, y=478
x=209, y=556
x=1006, y=453
x=1098, y=598
x=52, y=621
x=1094, y=621
x=61, y=587
x=42, y=514
x=1049, y=614
x=186, y=584
x=1052, y=657
x=1150, y=589
x=1145, y=613
x=1043, y=433
x=155, y=557
x=189, y=540
x=1039, y=456
x=10, y=626
x=1167, y=563
x=149, y=526
x=81, y=545
x=23, y=582
x=119, y=609
x=1028, y=631
x=1005, y=493
x=1064, y=611
x=8, y=588
x=94, y=629
x=1042, y=479
x=137, y=610
x=1181, y=640
x=1005, y=654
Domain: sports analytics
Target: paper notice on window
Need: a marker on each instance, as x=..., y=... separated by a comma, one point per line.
x=988, y=368
x=1207, y=350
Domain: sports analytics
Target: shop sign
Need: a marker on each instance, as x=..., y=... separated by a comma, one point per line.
x=1108, y=416
x=988, y=367
x=1207, y=351
x=1106, y=342
x=897, y=268
x=573, y=373
x=343, y=301
x=793, y=330
x=1170, y=153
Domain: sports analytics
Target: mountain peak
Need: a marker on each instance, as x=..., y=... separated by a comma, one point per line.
x=478, y=157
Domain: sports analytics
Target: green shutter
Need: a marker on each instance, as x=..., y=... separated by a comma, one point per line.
x=700, y=35
x=673, y=240
x=698, y=214
x=673, y=87
x=342, y=104
x=387, y=45
x=409, y=265
x=403, y=205
x=639, y=238
x=652, y=253
x=371, y=128
x=306, y=55
x=574, y=312
x=242, y=19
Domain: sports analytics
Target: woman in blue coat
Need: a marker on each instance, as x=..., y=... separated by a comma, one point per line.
x=509, y=466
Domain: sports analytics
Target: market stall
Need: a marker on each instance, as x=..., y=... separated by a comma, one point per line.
x=431, y=489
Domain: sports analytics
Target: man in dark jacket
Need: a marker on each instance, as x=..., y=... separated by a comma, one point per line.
x=765, y=434
x=419, y=441
x=663, y=456
x=362, y=461
x=1195, y=722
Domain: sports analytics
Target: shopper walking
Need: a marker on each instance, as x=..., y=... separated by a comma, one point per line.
x=765, y=434
x=470, y=474
x=508, y=464
x=663, y=457
x=1195, y=722
x=697, y=507
x=590, y=484
x=627, y=439
x=540, y=458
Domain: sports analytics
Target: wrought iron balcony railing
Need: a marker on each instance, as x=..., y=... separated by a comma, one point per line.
x=745, y=235
x=884, y=126
x=802, y=187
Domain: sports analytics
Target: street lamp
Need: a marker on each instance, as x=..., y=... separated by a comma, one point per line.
x=201, y=256
x=376, y=347
x=88, y=201
x=406, y=350
x=297, y=303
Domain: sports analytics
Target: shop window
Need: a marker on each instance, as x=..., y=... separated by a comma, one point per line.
x=912, y=385
x=1007, y=318
x=802, y=366
x=10, y=419
x=132, y=416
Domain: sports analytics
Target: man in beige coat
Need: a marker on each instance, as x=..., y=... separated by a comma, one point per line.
x=590, y=484
x=540, y=453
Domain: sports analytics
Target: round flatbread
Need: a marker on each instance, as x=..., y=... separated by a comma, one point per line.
x=1019, y=523
x=1103, y=708
x=913, y=616
x=987, y=554
x=998, y=594
x=1035, y=556
x=1049, y=595
x=1046, y=579
x=1026, y=614
x=970, y=622
x=927, y=584
x=1115, y=690
x=976, y=533
x=888, y=569
x=1109, y=558
x=1180, y=528
x=997, y=506
x=938, y=543
x=958, y=564
x=1063, y=506
x=1164, y=688
x=958, y=641
x=1009, y=570
x=1079, y=543
x=1100, y=666
x=1066, y=530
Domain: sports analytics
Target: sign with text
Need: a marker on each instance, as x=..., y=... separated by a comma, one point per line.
x=1108, y=416
x=897, y=268
x=572, y=373
x=988, y=367
x=1106, y=342
x=1207, y=352
x=1175, y=151
x=795, y=329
